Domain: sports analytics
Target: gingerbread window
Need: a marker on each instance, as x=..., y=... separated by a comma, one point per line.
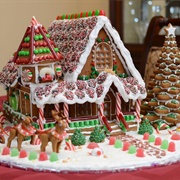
x=103, y=56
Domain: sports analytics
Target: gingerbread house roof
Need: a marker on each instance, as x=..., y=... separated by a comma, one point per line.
x=36, y=46
x=75, y=36
x=92, y=90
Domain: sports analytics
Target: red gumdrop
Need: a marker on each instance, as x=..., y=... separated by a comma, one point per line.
x=23, y=154
x=140, y=152
x=146, y=136
x=43, y=156
x=175, y=136
x=6, y=151
x=92, y=145
x=102, y=13
x=126, y=146
x=112, y=140
x=171, y=147
x=158, y=141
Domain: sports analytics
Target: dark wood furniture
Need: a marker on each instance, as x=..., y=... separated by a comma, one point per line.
x=153, y=38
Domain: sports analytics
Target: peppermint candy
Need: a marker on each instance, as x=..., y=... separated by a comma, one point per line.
x=70, y=85
x=69, y=95
x=91, y=83
x=101, y=78
x=99, y=90
x=80, y=94
x=90, y=92
x=26, y=75
x=81, y=85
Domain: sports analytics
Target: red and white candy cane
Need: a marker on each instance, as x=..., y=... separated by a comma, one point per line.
x=119, y=114
x=69, y=146
x=66, y=111
x=138, y=108
x=34, y=21
x=2, y=118
x=103, y=117
x=56, y=107
x=41, y=120
x=163, y=125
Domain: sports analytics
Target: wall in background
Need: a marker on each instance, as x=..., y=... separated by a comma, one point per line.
x=15, y=16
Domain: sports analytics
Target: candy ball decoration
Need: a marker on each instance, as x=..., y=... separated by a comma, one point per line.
x=164, y=144
x=146, y=136
x=14, y=152
x=140, y=152
x=172, y=147
x=158, y=141
x=126, y=146
x=151, y=138
x=23, y=154
x=112, y=140
x=175, y=136
x=92, y=145
x=32, y=156
x=53, y=157
x=118, y=144
x=43, y=156
x=6, y=151
x=132, y=149
x=96, y=152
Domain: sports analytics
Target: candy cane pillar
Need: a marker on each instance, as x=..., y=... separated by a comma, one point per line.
x=56, y=107
x=103, y=117
x=119, y=114
x=66, y=111
x=137, y=113
x=41, y=120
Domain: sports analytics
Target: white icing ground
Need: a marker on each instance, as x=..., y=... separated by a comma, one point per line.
x=112, y=160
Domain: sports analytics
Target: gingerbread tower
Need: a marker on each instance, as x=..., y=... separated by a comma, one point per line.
x=162, y=105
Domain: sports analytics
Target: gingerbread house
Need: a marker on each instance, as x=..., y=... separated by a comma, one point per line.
x=98, y=84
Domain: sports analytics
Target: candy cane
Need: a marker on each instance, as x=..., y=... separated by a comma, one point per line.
x=2, y=118
x=41, y=120
x=57, y=107
x=66, y=111
x=103, y=118
x=34, y=21
x=138, y=105
x=69, y=146
x=163, y=125
x=119, y=114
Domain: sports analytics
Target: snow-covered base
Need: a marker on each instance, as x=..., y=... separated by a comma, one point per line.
x=112, y=160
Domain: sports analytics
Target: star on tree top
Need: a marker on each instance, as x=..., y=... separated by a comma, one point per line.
x=170, y=30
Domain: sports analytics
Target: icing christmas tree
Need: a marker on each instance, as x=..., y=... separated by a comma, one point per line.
x=162, y=104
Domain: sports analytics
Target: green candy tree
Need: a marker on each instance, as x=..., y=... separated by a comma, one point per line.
x=145, y=126
x=97, y=135
x=78, y=138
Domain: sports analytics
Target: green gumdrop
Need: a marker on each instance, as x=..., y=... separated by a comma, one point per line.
x=151, y=138
x=53, y=157
x=164, y=144
x=32, y=156
x=118, y=144
x=132, y=150
x=14, y=152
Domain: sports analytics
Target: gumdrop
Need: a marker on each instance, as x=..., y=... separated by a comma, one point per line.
x=164, y=144
x=118, y=143
x=151, y=138
x=43, y=156
x=32, y=156
x=158, y=141
x=126, y=146
x=140, y=152
x=14, y=152
x=112, y=140
x=23, y=154
x=146, y=136
x=132, y=149
x=171, y=147
x=92, y=145
x=53, y=157
x=175, y=136
x=6, y=151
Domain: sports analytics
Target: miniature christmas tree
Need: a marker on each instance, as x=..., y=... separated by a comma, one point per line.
x=78, y=138
x=97, y=135
x=163, y=99
x=145, y=127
